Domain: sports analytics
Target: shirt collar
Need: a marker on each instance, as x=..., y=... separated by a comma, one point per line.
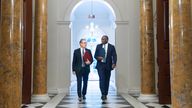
x=82, y=48
x=106, y=45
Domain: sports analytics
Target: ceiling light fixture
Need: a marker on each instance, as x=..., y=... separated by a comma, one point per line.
x=91, y=15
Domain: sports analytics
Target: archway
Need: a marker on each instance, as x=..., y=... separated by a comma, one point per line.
x=92, y=29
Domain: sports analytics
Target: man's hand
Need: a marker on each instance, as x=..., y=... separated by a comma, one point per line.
x=113, y=66
x=99, y=58
x=87, y=62
x=74, y=73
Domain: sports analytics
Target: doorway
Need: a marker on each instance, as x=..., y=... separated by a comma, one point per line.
x=92, y=29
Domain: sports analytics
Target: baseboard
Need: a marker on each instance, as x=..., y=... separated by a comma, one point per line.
x=134, y=92
x=40, y=98
x=53, y=91
x=58, y=90
x=148, y=98
x=124, y=91
x=63, y=90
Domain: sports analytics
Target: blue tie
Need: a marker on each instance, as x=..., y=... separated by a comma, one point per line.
x=104, y=59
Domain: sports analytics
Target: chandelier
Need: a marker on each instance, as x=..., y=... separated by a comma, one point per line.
x=91, y=27
x=91, y=15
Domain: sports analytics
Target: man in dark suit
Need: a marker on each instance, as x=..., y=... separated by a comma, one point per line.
x=105, y=63
x=81, y=68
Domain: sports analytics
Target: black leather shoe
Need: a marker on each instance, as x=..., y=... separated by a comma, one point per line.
x=103, y=97
x=80, y=99
x=84, y=97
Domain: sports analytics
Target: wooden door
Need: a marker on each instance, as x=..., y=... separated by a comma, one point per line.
x=163, y=51
x=27, y=51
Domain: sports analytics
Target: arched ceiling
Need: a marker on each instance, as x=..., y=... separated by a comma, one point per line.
x=100, y=9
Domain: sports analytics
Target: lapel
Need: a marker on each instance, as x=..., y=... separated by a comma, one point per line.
x=108, y=49
x=79, y=51
x=86, y=50
x=101, y=46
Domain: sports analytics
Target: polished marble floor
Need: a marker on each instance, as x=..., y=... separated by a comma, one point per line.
x=152, y=104
x=115, y=100
x=39, y=104
x=93, y=99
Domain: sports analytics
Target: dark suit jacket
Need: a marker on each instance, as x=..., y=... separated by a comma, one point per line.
x=77, y=60
x=111, y=57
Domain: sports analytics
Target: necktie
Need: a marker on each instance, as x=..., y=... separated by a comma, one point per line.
x=83, y=52
x=104, y=60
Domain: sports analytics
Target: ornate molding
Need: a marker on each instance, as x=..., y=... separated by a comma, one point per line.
x=63, y=22
x=122, y=22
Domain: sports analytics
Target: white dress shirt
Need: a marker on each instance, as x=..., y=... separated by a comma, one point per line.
x=82, y=54
x=105, y=46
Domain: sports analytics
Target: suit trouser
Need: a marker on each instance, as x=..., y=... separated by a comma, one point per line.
x=104, y=79
x=82, y=75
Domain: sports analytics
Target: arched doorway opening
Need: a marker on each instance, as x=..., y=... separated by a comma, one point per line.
x=92, y=29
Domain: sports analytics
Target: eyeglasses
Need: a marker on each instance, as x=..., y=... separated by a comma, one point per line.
x=83, y=42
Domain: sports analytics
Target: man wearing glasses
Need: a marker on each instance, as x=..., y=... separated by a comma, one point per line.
x=82, y=59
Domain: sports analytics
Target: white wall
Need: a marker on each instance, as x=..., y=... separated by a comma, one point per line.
x=127, y=44
x=58, y=50
x=128, y=47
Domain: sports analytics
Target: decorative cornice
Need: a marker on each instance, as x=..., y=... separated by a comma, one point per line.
x=69, y=22
x=122, y=22
x=63, y=22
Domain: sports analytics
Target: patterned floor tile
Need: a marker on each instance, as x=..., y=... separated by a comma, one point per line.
x=153, y=105
x=37, y=105
x=93, y=100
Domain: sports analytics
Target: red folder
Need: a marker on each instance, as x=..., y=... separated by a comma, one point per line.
x=87, y=56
